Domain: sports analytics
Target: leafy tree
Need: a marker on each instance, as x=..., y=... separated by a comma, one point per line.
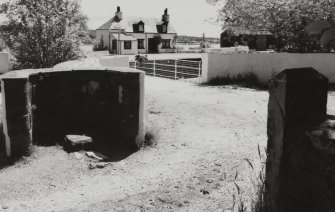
x=285, y=19
x=325, y=29
x=43, y=33
x=157, y=40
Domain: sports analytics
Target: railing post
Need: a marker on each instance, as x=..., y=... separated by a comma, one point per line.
x=175, y=70
x=154, y=67
x=199, y=73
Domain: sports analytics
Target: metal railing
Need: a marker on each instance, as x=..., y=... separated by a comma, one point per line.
x=173, y=69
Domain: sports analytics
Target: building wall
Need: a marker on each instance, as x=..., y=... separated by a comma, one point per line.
x=170, y=37
x=164, y=36
x=4, y=62
x=144, y=37
x=133, y=49
x=105, y=35
x=265, y=65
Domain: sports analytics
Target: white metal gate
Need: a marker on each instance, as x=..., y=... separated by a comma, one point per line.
x=173, y=69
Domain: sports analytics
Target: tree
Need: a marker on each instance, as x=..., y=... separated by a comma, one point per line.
x=285, y=19
x=43, y=33
x=157, y=40
x=325, y=29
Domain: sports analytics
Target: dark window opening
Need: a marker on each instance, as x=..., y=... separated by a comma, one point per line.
x=127, y=44
x=164, y=28
x=140, y=44
x=114, y=44
x=166, y=44
x=139, y=27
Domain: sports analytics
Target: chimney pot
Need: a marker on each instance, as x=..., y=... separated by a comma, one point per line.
x=118, y=14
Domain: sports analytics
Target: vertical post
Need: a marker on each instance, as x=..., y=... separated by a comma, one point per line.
x=295, y=178
x=154, y=67
x=135, y=64
x=175, y=70
x=199, y=73
x=109, y=42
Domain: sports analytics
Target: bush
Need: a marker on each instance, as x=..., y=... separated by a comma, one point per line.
x=99, y=45
x=140, y=58
x=204, y=45
x=87, y=40
x=2, y=46
x=157, y=39
x=150, y=138
x=248, y=79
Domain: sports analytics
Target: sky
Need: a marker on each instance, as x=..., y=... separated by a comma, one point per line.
x=188, y=17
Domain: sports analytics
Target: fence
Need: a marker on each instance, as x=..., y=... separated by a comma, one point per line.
x=173, y=69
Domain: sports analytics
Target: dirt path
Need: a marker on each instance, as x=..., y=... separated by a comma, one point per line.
x=204, y=136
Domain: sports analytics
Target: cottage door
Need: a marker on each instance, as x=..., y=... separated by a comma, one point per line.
x=152, y=46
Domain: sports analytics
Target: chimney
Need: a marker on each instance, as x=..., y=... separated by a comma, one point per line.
x=118, y=14
x=166, y=17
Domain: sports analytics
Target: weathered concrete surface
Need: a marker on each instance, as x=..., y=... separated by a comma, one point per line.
x=298, y=101
x=4, y=62
x=42, y=106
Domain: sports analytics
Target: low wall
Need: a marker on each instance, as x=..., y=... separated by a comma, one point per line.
x=266, y=65
x=228, y=50
x=114, y=61
x=107, y=61
x=43, y=106
x=4, y=62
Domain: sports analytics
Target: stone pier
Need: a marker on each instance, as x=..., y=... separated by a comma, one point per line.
x=43, y=106
x=296, y=171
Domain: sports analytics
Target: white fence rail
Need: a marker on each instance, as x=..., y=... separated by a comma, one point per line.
x=173, y=69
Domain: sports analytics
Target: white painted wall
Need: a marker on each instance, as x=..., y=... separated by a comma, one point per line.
x=105, y=35
x=4, y=62
x=114, y=61
x=170, y=37
x=133, y=49
x=228, y=50
x=265, y=65
x=141, y=36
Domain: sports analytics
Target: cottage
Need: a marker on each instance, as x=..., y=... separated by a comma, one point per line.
x=137, y=35
x=257, y=40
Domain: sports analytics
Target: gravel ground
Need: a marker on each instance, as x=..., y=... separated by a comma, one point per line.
x=204, y=134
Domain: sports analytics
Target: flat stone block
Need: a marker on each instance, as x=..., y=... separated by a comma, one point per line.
x=78, y=142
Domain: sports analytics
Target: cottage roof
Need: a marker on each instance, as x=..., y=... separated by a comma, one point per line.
x=150, y=24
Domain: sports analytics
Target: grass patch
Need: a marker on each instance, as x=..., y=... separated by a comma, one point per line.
x=257, y=201
x=248, y=80
x=150, y=138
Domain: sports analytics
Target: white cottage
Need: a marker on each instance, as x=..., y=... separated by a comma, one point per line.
x=137, y=35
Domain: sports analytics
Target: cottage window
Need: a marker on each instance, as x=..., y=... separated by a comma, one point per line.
x=114, y=44
x=127, y=44
x=140, y=44
x=141, y=28
x=164, y=28
x=166, y=44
